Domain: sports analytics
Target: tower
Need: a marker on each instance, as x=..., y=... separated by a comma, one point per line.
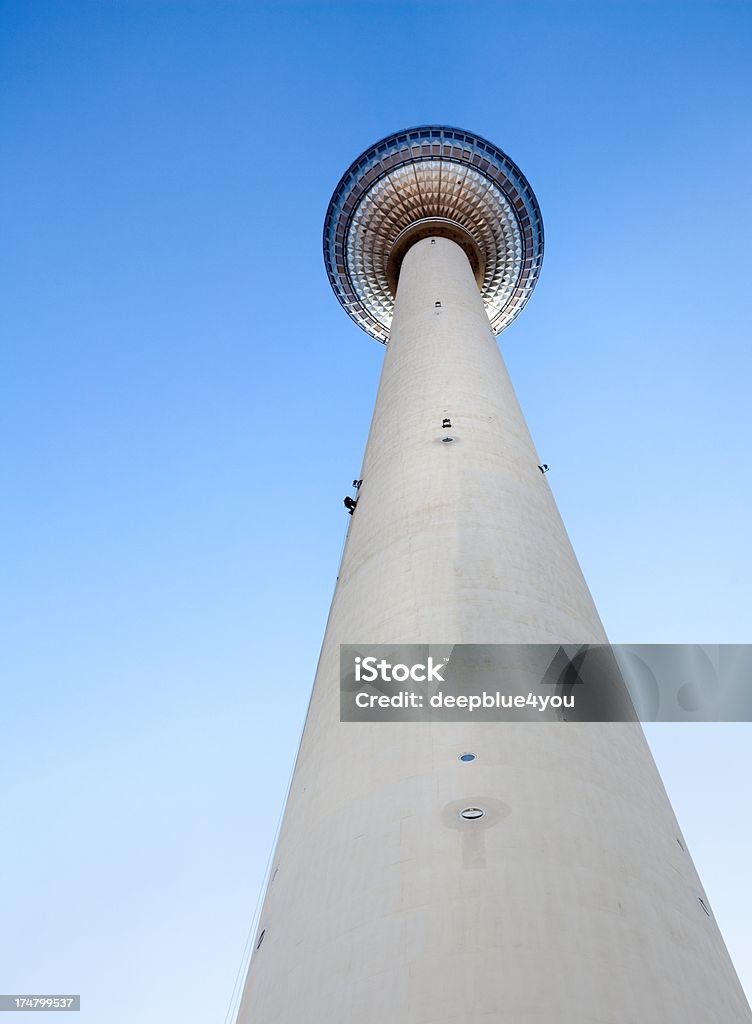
x=571, y=899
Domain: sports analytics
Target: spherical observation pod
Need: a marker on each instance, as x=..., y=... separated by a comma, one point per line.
x=432, y=181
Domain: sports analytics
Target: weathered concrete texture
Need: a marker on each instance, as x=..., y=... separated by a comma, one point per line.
x=574, y=900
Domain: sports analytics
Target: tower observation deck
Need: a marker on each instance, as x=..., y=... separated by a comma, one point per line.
x=567, y=896
x=432, y=182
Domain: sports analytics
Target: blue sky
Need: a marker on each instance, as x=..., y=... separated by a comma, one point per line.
x=185, y=404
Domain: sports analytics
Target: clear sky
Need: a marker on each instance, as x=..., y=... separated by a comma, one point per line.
x=185, y=404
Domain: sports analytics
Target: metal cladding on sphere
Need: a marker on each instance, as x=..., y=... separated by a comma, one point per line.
x=432, y=181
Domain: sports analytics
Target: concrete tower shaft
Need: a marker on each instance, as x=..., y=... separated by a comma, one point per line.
x=573, y=900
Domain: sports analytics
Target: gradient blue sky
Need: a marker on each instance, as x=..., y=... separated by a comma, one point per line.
x=185, y=404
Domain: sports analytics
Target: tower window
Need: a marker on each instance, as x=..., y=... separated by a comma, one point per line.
x=473, y=813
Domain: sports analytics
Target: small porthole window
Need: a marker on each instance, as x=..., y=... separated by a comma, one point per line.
x=437, y=305
x=447, y=440
x=472, y=813
x=467, y=757
x=433, y=241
